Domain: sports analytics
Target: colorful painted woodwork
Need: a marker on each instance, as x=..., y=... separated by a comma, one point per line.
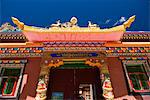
x=13, y=61
x=6, y=27
x=21, y=51
x=136, y=37
x=128, y=49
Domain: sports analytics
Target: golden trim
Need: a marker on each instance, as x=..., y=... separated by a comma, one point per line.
x=73, y=27
x=93, y=64
x=57, y=64
x=74, y=59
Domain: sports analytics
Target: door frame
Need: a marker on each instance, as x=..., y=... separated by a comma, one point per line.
x=99, y=62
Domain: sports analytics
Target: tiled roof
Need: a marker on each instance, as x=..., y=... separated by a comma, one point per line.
x=8, y=37
x=11, y=34
x=136, y=37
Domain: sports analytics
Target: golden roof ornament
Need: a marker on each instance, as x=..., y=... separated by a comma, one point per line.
x=18, y=23
x=71, y=26
x=91, y=25
x=73, y=21
x=57, y=24
x=128, y=23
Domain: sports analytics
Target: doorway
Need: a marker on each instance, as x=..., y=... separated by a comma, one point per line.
x=72, y=83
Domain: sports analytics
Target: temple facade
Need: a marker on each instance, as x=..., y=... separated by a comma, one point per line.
x=68, y=62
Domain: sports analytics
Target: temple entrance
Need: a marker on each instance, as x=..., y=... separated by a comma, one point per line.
x=74, y=83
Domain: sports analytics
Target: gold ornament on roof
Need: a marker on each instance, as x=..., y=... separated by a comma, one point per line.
x=57, y=24
x=128, y=23
x=18, y=23
x=71, y=26
x=91, y=25
x=73, y=21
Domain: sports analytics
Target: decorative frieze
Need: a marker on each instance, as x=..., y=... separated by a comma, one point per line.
x=136, y=37
x=74, y=54
x=127, y=49
x=21, y=52
x=133, y=58
x=93, y=63
x=126, y=54
x=74, y=48
x=13, y=61
x=21, y=55
x=68, y=44
x=56, y=63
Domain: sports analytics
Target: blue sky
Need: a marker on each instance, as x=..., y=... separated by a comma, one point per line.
x=103, y=12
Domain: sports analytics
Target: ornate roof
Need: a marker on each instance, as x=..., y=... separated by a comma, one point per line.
x=9, y=33
x=70, y=31
x=9, y=37
x=136, y=37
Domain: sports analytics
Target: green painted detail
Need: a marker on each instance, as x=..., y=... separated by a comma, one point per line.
x=11, y=71
x=74, y=66
x=9, y=85
x=138, y=76
x=135, y=68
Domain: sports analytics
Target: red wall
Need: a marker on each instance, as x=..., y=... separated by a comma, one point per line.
x=32, y=69
x=117, y=77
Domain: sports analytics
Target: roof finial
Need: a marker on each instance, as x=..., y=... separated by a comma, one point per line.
x=128, y=23
x=18, y=23
x=73, y=20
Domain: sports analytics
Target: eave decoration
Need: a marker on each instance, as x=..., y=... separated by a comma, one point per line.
x=93, y=63
x=6, y=27
x=70, y=31
x=56, y=63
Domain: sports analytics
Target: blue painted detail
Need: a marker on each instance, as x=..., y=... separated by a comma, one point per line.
x=31, y=51
x=129, y=48
x=93, y=54
x=40, y=48
x=138, y=51
x=15, y=48
x=80, y=54
x=56, y=55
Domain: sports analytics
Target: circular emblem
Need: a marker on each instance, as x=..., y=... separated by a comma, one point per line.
x=73, y=20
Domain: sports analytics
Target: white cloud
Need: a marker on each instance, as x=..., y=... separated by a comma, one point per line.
x=107, y=21
x=121, y=20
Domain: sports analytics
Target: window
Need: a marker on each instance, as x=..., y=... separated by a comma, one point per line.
x=10, y=79
x=57, y=96
x=137, y=73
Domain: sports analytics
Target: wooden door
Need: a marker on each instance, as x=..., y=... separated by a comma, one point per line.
x=65, y=83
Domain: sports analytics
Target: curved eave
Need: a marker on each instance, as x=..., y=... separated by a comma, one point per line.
x=74, y=29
